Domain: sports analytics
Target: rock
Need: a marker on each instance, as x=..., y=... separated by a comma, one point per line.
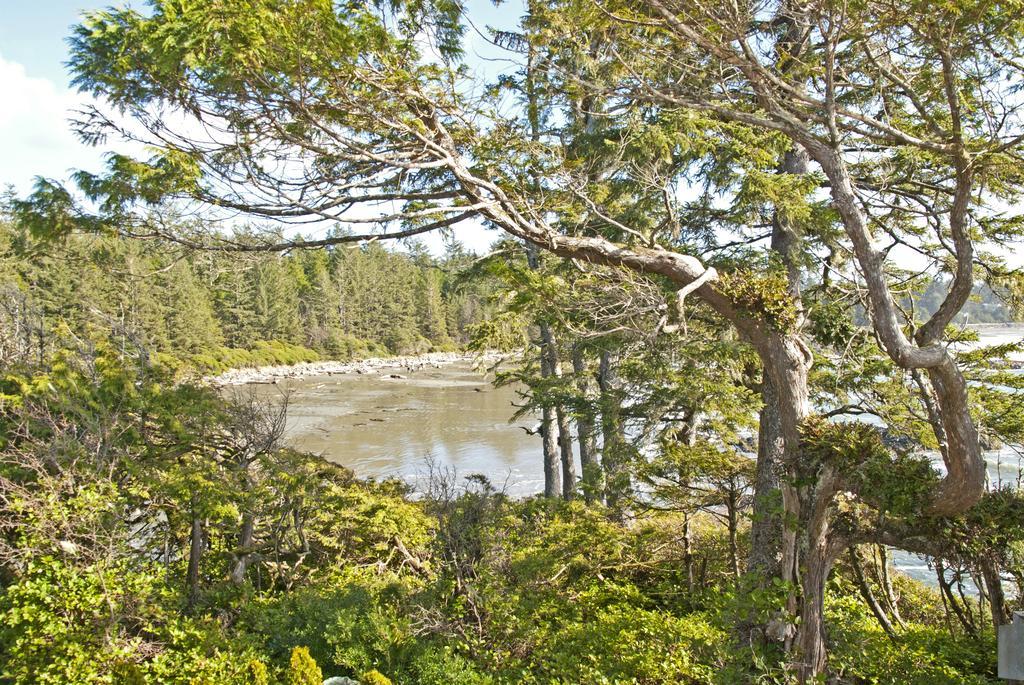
x=268, y=374
x=779, y=630
x=340, y=680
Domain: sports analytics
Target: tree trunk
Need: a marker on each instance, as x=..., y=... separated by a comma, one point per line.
x=766, y=530
x=244, y=555
x=766, y=534
x=549, y=422
x=195, y=555
x=732, y=512
x=565, y=452
x=549, y=440
x=951, y=601
x=885, y=581
x=554, y=370
x=767, y=537
x=613, y=453
x=589, y=464
x=811, y=645
x=819, y=547
x=688, y=554
x=869, y=596
x=787, y=363
x=996, y=596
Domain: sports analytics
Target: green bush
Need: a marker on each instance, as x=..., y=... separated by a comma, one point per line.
x=374, y=677
x=67, y=624
x=262, y=353
x=623, y=643
x=437, y=665
x=920, y=655
x=258, y=674
x=302, y=669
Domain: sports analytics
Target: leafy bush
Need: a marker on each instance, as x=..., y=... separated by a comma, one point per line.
x=302, y=669
x=66, y=624
x=920, y=655
x=263, y=353
x=619, y=642
x=374, y=677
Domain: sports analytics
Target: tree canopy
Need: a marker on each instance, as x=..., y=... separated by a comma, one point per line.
x=797, y=173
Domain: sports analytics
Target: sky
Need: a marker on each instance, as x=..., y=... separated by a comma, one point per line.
x=35, y=98
x=37, y=101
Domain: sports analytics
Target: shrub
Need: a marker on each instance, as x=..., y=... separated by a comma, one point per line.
x=374, y=677
x=920, y=655
x=442, y=666
x=66, y=624
x=302, y=669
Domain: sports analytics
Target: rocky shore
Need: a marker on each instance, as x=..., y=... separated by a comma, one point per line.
x=395, y=366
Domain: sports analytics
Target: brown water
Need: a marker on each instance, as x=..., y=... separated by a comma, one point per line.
x=380, y=426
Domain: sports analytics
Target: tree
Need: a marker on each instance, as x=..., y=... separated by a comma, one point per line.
x=700, y=478
x=905, y=117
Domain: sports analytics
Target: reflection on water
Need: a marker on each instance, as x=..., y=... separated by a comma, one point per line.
x=380, y=426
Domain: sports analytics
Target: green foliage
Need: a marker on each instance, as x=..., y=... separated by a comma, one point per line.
x=208, y=313
x=899, y=485
x=764, y=294
x=65, y=622
x=258, y=673
x=441, y=665
x=993, y=529
x=620, y=642
x=920, y=655
x=302, y=669
x=831, y=324
x=374, y=677
x=263, y=353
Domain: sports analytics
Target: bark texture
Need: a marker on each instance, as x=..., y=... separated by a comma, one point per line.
x=587, y=436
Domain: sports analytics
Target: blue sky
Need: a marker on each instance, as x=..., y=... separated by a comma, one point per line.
x=32, y=33
x=36, y=100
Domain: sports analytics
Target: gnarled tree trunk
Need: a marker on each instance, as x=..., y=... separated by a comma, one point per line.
x=244, y=555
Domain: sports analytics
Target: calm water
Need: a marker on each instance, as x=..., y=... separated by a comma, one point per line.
x=381, y=426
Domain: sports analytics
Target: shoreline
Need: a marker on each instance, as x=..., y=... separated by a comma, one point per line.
x=414, y=362
x=373, y=365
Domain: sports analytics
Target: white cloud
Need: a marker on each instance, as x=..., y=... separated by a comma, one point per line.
x=36, y=140
x=35, y=136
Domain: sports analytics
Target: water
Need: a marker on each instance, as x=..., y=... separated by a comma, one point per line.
x=1004, y=470
x=380, y=426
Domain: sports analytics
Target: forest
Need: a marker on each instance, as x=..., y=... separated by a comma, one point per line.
x=202, y=313
x=737, y=251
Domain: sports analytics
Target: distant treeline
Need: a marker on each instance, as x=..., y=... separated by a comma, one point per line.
x=985, y=305
x=211, y=310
